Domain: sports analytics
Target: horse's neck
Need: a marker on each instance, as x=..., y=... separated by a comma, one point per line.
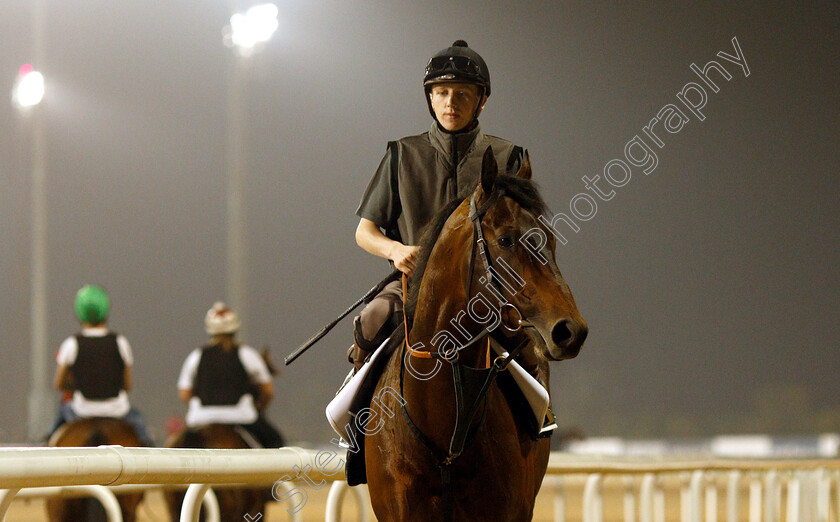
x=443, y=295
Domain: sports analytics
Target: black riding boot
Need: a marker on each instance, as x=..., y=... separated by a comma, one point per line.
x=361, y=350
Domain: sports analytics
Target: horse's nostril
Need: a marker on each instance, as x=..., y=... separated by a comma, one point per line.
x=561, y=334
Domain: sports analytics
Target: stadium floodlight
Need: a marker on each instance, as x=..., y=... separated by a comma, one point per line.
x=29, y=88
x=255, y=26
x=246, y=33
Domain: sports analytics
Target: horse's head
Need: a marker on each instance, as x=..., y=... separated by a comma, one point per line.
x=521, y=252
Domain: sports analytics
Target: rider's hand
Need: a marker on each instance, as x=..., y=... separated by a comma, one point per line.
x=404, y=258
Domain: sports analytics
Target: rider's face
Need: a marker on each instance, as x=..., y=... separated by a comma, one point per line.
x=455, y=103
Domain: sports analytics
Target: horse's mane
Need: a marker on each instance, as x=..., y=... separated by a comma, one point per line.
x=522, y=191
x=427, y=242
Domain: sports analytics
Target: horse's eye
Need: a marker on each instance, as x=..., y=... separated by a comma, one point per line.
x=505, y=242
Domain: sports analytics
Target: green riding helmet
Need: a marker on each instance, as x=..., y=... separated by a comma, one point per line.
x=92, y=305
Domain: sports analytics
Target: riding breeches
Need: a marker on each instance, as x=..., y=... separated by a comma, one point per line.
x=266, y=434
x=133, y=418
x=376, y=323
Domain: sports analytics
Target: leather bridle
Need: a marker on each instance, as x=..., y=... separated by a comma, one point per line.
x=466, y=411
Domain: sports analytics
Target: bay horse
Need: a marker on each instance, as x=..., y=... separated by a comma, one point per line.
x=460, y=451
x=234, y=503
x=96, y=431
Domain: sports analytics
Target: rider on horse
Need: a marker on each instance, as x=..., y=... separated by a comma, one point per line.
x=419, y=175
x=226, y=382
x=95, y=365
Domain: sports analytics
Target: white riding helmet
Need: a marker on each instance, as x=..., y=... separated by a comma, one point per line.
x=221, y=320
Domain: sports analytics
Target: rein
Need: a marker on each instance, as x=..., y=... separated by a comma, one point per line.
x=465, y=413
x=504, y=308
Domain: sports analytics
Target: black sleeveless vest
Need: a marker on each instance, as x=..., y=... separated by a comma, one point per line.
x=99, y=370
x=420, y=174
x=221, y=379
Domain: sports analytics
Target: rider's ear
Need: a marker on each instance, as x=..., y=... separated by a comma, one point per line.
x=489, y=171
x=525, y=170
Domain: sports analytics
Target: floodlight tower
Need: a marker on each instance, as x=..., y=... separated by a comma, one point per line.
x=29, y=88
x=246, y=34
x=26, y=97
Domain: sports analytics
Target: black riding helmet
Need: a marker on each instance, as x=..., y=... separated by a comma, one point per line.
x=457, y=63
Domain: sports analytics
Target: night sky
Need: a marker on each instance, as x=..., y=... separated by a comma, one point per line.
x=710, y=284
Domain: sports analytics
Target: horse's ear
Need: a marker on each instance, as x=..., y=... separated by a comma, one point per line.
x=525, y=169
x=489, y=171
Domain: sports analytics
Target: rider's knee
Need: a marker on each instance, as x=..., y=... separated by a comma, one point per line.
x=384, y=329
x=376, y=321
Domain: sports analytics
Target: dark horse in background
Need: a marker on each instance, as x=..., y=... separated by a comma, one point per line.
x=93, y=432
x=419, y=466
x=234, y=504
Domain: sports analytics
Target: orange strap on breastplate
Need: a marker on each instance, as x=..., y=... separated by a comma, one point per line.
x=423, y=354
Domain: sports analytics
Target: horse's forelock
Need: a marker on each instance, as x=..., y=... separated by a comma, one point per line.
x=523, y=192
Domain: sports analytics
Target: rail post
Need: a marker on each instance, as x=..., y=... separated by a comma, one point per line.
x=6, y=497
x=196, y=495
x=732, y=496
x=593, y=510
x=108, y=500
x=646, y=498
x=823, y=495
x=772, y=497
x=794, y=497
x=695, y=486
x=559, y=497
x=335, y=499
x=711, y=500
x=756, y=490
x=629, y=498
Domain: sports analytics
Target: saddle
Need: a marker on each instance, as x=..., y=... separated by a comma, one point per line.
x=96, y=436
x=196, y=437
x=355, y=395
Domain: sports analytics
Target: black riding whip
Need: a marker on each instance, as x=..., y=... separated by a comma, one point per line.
x=393, y=276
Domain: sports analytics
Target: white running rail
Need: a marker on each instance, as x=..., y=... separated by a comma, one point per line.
x=808, y=484
x=86, y=471
x=809, y=487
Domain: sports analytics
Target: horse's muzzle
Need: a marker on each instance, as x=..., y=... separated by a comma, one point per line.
x=568, y=336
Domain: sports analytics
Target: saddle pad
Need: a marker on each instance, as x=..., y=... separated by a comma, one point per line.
x=537, y=397
x=243, y=412
x=339, y=409
x=534, y=392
